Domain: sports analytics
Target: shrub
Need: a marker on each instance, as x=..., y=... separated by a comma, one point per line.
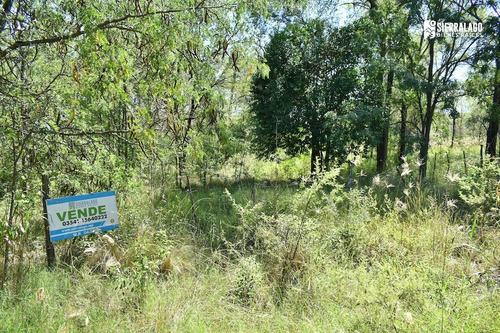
x=247, y=279
x=480, y=189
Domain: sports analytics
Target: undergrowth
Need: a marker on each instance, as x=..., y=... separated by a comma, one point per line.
x=309, y=257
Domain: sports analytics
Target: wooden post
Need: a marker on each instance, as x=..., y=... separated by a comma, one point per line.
x=49, y=246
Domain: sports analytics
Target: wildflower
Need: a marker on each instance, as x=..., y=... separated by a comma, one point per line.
x=420, y=162
x=406, y=192
x=451, y=203
x=361, y=174
x=405, y=172
x=389, y=185
x=400, y=205
x=453, y=177
x=376, y=180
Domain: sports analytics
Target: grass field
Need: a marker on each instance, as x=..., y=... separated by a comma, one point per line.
x=300, y=258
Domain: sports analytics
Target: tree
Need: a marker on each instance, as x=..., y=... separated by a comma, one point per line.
x=85, y=89
x=432, y=63
x=484, y=83
x=313, y=75
x=381, y=23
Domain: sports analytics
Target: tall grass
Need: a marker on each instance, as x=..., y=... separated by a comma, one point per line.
x=372, y=259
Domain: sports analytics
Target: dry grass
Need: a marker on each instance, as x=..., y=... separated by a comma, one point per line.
x=364, y=269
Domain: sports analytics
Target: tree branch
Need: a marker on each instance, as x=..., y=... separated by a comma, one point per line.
x=109, y=24
x=91, y=133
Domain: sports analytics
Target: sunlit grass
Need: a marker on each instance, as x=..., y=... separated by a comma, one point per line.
x=368, y=265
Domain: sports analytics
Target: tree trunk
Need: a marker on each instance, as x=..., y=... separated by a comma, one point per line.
x=180, y=166
x=315, y=159
x=493, y=126
x=453, y=131
x=402, y=132
x=327, y=156
x=10, y=221
x=491, y=137
x=383, y=146
x=193, y=208
x=49, y=246
x=429, y=114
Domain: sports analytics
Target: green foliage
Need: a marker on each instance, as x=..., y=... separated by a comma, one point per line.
x=247, y=279
x=137, y=96
x=304, y=103
x=480, y=189
x=283, y=240
x=416, y=269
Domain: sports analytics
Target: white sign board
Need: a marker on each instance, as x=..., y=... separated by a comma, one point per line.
x=81, y=215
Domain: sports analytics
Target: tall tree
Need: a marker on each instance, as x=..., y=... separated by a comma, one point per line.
x=85, y=88
x=313, y=74
x=433, y=62
x=484, y=83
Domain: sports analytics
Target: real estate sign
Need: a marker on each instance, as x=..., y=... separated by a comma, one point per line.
x=81, y=215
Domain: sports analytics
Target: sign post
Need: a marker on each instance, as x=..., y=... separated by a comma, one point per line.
x=81, y=215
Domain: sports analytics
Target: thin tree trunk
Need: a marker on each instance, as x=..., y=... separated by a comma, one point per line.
x=402, y=133
x=327, y=156
x=49, y=246
x=179, y=169
x=383, y=146
x=453, y=131
x=11, y=213
x=481, y=156
x=491, y=138
x=191, y=198
x=429, y=114
x=493, y=126
x=315, y=159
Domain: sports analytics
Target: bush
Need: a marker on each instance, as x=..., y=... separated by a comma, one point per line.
x=480, y=189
